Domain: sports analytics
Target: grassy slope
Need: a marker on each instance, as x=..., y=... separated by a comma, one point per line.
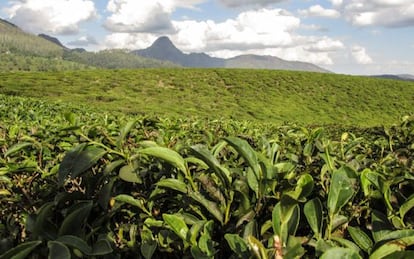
x=257, y=95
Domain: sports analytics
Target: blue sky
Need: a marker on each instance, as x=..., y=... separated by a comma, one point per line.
x=344, y=36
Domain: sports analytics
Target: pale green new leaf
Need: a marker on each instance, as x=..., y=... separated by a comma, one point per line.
x=128, y=174
x=17, y=147
x=340, y=253
x=406, y=206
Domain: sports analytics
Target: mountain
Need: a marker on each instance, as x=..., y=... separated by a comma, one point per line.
x=53, y=40
x=270, y=62
x=20, y=50
x=164, y=49
x=403, y=77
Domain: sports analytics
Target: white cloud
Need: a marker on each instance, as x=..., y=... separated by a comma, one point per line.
x=319, y=11
x=360, y=55
x=84, y=41
x=51, y=16
x=325, y=44
x=387, y=13
x=144, y=16
x=121, y=40
x=239, y=3
x=263, y=32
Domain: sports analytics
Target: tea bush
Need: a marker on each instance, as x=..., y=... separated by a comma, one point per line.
x=77, y=183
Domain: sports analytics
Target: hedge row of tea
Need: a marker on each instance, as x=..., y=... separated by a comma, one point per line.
x=76, y=183
x=264, y=96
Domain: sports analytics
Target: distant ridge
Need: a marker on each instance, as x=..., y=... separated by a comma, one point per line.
x=403, y=77
x=164, y=49
x=53, y=40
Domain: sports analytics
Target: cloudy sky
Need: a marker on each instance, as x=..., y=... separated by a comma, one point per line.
x=344, y=36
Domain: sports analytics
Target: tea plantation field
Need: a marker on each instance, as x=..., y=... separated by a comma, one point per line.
x=187, y=163
x=256, y=95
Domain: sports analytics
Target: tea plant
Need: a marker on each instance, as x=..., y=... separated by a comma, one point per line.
x=75, y=183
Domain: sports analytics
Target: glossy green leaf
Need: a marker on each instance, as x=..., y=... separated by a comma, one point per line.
x=338, y=220
x=78, y=160
x=73, y=222
x=167, y=155
x=340, y=253
x=387, y=249
x=177, y=225
x=361, y=238
x=58, y=250
x=210, y=206
x=21, y=251
x=128, y=174
x=342, y=242
x=237, y=244
x=17, y=147
x=223, y=173
x=313, y=213
x=148, y=244
x=380, y=225
x=340, y=191
x=101, y=247
x=257, y=248
x=247, y=152
x=304, y=186
x=406, y=206
x=173, y=184
x=253, y=182
x=75, y=242
x=125, y=198
x=124, y=132
x=42, y=226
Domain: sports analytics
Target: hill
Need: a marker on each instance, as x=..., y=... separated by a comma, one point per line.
x=269, y=96
x=164, y=49
x=404, y=77
x=22, y=51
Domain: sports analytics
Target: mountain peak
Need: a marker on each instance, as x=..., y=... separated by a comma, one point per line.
x=164, y=43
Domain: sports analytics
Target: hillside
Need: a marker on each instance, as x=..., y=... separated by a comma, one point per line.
x=22, y=51
x=164, y=49
x=257, y=95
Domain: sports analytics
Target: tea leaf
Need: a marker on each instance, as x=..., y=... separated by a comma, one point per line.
x=21, y=251
x=341, y=190
x=167, y=155
x=313, y=213
x=340, y=253
x=73, y=222
x=75, y=242
x=406, y=206
x=128, y=174
x=237, y=244
x=78, y=160
x=173, y=184
x=361, y=238
x=17, y=147
x=177, y=225
x=58, y=250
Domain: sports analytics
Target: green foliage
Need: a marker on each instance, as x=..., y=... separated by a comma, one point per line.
x=77, y=183
x=261, y=96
